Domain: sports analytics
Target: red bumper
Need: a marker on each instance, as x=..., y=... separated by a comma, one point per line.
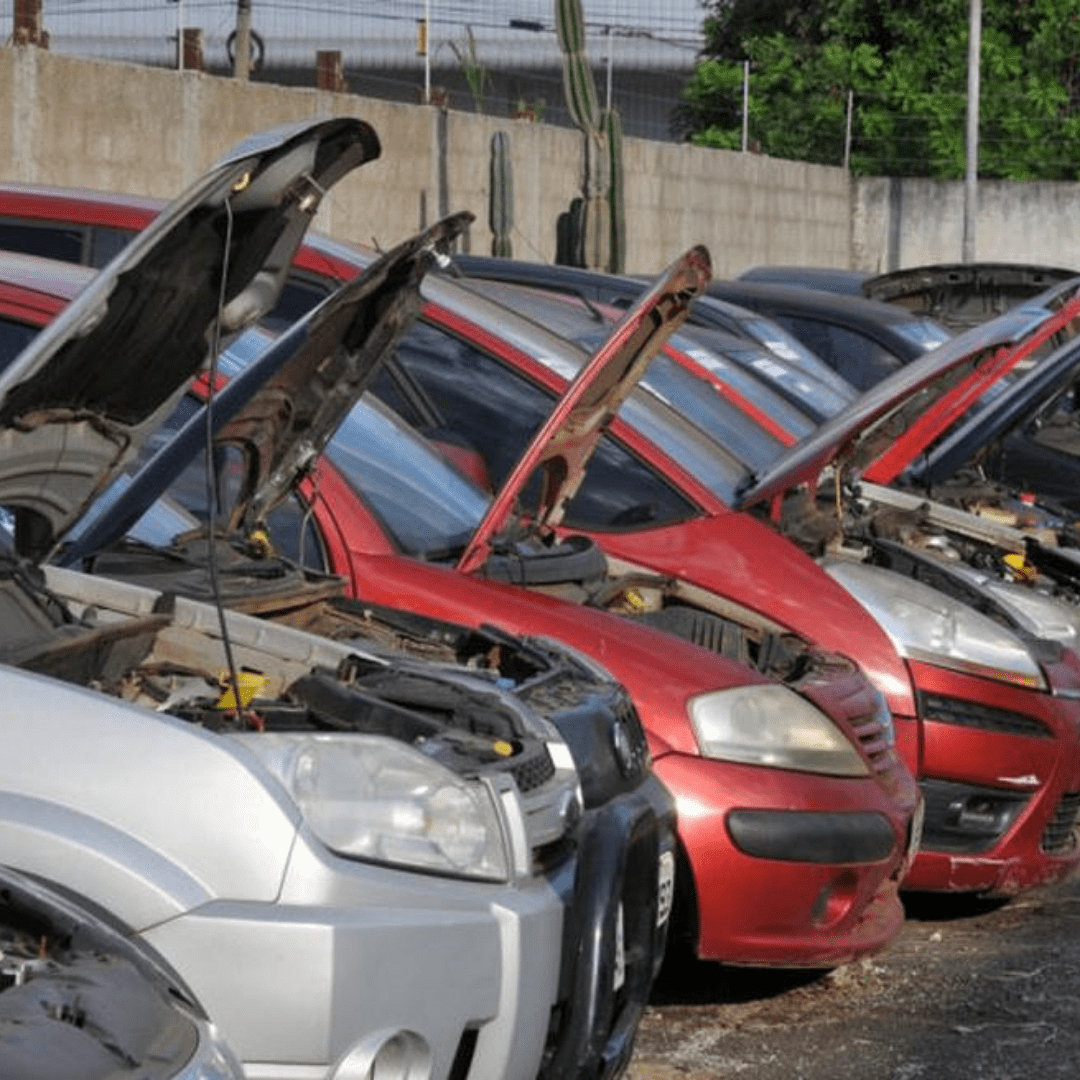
x=782, y=908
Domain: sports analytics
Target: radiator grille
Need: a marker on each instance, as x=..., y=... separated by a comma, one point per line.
x=970, y=714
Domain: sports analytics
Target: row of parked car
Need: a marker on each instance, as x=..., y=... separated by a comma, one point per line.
x=366, y=667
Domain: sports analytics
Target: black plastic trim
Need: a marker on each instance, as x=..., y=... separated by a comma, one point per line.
x=813, y=837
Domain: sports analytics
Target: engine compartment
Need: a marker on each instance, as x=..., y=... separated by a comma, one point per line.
x=164, y=653
x=951, y=536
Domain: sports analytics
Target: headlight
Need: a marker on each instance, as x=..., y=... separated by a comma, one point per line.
x=212, y=1060
x=927, y=625
x=369, y=797
x=771, y=725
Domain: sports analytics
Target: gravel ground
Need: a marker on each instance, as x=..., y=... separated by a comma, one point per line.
x=968, y=990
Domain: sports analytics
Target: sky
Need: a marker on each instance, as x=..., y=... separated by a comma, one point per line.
x=666, y=34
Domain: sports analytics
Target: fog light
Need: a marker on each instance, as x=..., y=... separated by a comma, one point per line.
x=386, y=1055
x=834, y=901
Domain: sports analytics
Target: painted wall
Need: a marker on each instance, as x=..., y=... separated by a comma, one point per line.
x=128, y=128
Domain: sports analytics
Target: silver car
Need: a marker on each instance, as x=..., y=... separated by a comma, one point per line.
x=362, y=854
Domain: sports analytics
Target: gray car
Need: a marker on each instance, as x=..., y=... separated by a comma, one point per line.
x=360, y=853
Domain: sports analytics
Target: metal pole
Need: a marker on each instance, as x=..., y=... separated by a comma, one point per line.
x=971, y=176
x=847, y=133
x=745, y=105
x=427, y=52
x=242, y=57
x=607, y=30
x=179, y=35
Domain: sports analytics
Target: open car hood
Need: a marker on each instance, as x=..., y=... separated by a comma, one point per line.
x=78, y=403
x=961, y=295
x=284, y=406
x=997, y=346
x=565, y=442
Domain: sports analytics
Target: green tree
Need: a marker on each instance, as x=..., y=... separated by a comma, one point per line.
x=906, y=64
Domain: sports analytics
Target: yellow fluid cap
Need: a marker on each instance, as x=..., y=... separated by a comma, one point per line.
x=249, y=684
x=1019, y=566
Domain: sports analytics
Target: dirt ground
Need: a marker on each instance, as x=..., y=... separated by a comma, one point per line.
x=968, y=990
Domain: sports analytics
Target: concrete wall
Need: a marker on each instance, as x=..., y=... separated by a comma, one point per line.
x=149, y=131
x=127, y=128
x=899, y=223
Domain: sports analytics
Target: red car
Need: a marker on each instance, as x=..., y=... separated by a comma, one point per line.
x=811, y=812
x=995, y=744
x=989, y=721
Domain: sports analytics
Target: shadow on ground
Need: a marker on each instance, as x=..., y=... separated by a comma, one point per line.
x=685, y=980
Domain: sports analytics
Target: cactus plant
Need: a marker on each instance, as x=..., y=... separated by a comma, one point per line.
x=612, y=127
x=602, y=241
x=501, y=195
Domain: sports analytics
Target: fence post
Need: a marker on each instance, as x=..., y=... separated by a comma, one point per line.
x=847, y=131
x=193, y=49
x=330, y=71
x=27, y=28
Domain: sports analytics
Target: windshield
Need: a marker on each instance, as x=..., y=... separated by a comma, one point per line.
x=427, y=506
x=925, y=333
x=748, y=447
x=796, y=401
x=788, y=347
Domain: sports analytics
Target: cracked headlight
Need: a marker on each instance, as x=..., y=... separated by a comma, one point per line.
x=772, y=725
x=929, y=626
x=369, y=797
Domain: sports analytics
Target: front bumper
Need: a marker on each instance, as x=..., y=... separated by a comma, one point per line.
x=1001, y=770
x=354, y=959
x=547, y=977
x=787, y=911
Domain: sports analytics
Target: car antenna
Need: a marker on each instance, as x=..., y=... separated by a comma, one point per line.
x=211, y=487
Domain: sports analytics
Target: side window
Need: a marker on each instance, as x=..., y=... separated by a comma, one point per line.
x=496, y=411
x=65, y=243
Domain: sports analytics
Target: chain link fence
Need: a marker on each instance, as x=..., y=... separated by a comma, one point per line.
x=499, y=57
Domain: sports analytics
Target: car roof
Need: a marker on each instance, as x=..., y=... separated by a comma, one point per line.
x=824, y=278
x=856, y=310
x=48, y=277
x=121, y=211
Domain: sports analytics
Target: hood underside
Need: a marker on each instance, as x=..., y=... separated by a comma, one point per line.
x=568, y=438
x=77, y=404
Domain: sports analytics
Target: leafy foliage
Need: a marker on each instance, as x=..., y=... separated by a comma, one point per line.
x=906, y=65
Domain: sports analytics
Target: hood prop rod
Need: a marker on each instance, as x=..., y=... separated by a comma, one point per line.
x=210, y=478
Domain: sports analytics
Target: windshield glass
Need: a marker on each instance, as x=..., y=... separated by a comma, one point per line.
x=788, y=347
x=925, y=333
x=428, y=507
x=796, y=401
x=748, y=446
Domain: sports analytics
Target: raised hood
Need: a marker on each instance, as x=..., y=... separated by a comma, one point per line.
x=960, y=295
x=568, y=438
x=996, y=346
x=77, y=404
x=283, y=407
